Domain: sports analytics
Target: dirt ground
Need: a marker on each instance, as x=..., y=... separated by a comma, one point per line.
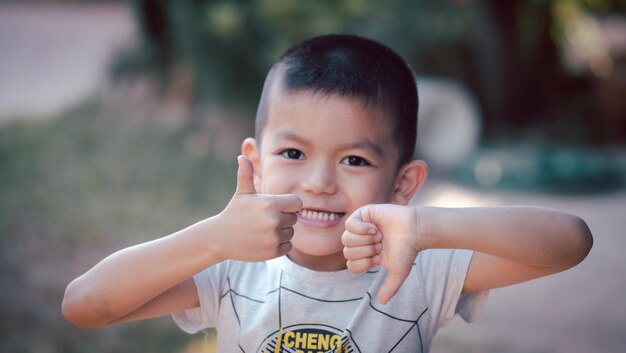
x=577, y=311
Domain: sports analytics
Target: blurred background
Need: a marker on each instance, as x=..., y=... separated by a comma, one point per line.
x=120, y=122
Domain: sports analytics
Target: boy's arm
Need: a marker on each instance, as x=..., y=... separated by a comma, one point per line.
x=126, y=281
x=512, y=244
x=181, y=297
x=154, y=278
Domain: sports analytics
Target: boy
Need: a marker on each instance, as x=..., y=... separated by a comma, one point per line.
x=327, y=179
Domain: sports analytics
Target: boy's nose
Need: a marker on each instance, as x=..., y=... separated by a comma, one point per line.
x=320, y=179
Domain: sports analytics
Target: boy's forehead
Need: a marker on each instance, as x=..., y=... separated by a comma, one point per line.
x=367, y=126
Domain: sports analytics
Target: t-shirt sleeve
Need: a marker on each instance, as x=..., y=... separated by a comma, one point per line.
x=208, y=284
x=444, y=272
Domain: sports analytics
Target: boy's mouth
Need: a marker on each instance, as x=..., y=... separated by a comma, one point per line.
x=319, y=218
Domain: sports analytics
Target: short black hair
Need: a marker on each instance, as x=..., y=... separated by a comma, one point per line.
x=355, y=67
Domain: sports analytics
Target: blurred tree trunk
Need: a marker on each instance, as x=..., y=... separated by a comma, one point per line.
x=494, y=40
x=515, y=82
x=155, y=30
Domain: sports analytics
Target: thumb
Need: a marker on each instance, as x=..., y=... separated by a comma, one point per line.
x=245, y=177
x=365, y=214
x=390, y=286
x=358, y=224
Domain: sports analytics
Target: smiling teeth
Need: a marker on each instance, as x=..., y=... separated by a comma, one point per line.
x=319, y=215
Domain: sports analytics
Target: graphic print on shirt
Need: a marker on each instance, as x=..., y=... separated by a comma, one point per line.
x=296, y=332
x=307, y=338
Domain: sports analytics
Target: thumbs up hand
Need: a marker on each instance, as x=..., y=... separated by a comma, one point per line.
x=386, y=235
x=256, y=227
x=245, y=177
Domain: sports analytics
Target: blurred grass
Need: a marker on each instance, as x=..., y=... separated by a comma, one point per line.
x=75, y=188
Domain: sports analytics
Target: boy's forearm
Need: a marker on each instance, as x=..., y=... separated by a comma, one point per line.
x=133, y=276
x=529, y=235
x=252, y=227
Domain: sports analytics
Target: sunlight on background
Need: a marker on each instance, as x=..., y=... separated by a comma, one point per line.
x=450, y=195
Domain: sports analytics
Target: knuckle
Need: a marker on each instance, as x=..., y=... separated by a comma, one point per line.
x=268, y=226
x=284, y=248
x=288, y=232
x=269, y=206
x=266, y=203
x=273, y=221
x=344, y=239
x=291, y=219
x=354, y=266
x=346, y=253
x=275, y=239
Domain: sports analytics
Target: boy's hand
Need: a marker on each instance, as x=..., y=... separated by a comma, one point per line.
x=257, y=226
x=386, y=235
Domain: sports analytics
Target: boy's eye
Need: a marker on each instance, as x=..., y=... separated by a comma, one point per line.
x=355, y=161
x=292, y=153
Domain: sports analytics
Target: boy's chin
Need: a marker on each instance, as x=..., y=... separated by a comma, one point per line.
x=318, y=259
x=313, y=237
x=318, y=243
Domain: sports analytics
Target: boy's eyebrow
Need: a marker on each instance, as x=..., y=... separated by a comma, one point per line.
x=289, y=135
x=364, y=143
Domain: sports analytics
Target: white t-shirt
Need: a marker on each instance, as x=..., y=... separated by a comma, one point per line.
x=256, y=307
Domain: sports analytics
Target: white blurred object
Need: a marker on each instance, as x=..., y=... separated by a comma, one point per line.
x=449, y=123
x=488, y=172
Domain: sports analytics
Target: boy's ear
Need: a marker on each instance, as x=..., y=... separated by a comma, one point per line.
x=250, y=149
x=410, y=178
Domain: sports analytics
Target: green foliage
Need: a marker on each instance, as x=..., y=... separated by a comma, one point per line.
x=230, y=45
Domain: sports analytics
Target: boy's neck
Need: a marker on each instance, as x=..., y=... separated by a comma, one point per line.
x=333, y=262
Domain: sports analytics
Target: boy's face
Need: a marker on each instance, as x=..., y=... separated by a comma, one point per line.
x=333, y=153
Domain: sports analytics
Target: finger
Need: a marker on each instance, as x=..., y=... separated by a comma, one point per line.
x=287, y=203
x=285, y=234
x=350, y=239
x=361, y=252
x=363, y=265
x=390, y=286
x=356, y=224
x=245, y=177
x=284, y=248
x=287, y=220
